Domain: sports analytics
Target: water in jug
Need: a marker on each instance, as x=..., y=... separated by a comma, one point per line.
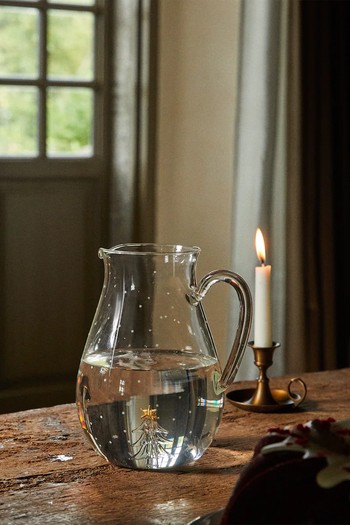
x=150, y=388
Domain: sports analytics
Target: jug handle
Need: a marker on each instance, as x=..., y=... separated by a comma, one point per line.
x=244, y=322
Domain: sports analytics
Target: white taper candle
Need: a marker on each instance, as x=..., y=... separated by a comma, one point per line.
x=262, y=315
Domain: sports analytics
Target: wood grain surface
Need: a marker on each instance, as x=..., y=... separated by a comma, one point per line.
x=50, y=475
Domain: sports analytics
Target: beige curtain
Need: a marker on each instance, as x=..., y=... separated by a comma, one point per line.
x=260, y=175
x=291, y=167
x=133, y=100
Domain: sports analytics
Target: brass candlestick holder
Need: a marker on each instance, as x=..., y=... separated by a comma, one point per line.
x=262, y=398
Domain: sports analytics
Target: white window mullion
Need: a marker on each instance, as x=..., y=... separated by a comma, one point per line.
x=42, y=83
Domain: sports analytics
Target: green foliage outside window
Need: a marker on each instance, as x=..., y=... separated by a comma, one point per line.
x=19, y=42
x=18, y=121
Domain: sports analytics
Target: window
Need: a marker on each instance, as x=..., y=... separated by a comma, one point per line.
x=51, y=83
x=75, y=153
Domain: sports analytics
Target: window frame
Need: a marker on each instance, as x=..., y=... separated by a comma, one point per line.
x=70, y=165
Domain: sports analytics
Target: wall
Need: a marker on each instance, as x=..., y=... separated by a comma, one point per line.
x=197, y=64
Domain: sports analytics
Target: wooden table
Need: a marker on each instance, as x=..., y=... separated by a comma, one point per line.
x=50, y=475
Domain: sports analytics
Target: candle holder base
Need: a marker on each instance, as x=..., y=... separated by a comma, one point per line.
x=262, y=398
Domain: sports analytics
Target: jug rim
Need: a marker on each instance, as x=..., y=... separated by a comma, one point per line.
x=150, y=248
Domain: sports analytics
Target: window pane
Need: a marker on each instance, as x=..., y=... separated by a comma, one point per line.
x=69, y=121
x=19, y=42
x=70, y=45
x=18, y=121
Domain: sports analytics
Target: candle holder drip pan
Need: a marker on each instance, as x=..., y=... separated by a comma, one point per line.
x=262, y=398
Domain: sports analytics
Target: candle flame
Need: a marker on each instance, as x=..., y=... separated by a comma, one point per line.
x=260, y=246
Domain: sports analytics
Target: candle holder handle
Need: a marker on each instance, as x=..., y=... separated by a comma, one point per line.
x=262, y=398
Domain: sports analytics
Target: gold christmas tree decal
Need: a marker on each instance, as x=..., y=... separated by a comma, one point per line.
x=152, y=440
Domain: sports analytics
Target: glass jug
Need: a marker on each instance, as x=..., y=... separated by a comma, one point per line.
x=150, y=389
